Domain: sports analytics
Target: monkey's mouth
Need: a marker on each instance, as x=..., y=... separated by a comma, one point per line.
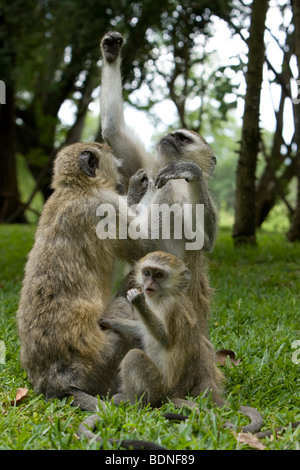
x=168, y=141
x=150, y=292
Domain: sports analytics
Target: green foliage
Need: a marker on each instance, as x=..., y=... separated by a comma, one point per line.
x=26, y=187
x=255, y=312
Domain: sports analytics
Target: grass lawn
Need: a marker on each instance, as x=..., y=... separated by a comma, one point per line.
x=255, y=312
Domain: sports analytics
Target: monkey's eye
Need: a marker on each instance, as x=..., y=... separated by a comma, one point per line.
x=183, y=137
x=159, y=275
x=147, y=273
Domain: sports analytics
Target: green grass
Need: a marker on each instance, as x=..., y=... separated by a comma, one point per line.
x=255, y=312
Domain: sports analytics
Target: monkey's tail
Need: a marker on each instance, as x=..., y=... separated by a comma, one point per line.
x=88, y=425
x=253, y=427
x=255, y=417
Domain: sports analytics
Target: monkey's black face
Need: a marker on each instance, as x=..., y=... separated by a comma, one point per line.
x=174, y=143
x=153, y=281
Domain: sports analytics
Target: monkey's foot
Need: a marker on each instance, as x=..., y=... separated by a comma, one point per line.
x=138, y=186
x=119, y=398
x=111, y=45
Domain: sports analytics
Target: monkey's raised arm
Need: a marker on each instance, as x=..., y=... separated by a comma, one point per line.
x=120, y=137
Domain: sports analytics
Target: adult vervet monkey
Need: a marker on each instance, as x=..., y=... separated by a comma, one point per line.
x=177, y=174
x=68, y=281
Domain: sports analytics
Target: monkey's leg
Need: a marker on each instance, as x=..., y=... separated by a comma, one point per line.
x=142, y=379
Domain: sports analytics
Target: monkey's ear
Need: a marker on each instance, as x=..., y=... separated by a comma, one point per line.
x=213, y=165
x=88, y=163
x=120, y=188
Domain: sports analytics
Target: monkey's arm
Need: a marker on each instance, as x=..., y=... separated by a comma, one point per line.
x=192, y=173
x=122, y=242
x=120, y=137
x=154, y=324
x=122, y=326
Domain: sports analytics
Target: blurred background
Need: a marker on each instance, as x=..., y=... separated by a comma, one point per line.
x=185, y=64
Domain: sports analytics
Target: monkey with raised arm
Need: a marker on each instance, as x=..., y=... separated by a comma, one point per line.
x=68, y=281
x=178, y=173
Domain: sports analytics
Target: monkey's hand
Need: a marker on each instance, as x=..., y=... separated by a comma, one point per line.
x=106, y=324
x=111, y=45
x=135, y=296
x=189, y=171
x=138, y=185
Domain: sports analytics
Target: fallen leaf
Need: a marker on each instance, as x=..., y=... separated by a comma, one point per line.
x=21, y=394
x=221, y=357
x=250, y=439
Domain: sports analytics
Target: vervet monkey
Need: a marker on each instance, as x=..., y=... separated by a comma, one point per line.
x=68, y=281
x=177, y=174
x=176, y=358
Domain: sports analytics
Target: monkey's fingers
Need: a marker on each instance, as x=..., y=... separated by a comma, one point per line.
x=133, y=294
x=105, y=324
x=189, y=171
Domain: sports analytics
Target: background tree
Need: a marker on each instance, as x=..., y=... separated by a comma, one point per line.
x=244, y=226
x=51, y=57
x=294, y=232
x=12, y=23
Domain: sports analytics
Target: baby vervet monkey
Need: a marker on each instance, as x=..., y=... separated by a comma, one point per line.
x=176, y=359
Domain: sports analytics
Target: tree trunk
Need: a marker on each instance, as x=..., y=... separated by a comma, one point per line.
x=294, y=231
x=9, y=193
x=244, y=226
x=269, y=187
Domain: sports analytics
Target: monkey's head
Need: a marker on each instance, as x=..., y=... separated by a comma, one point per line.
x=184, y=145
x=159, y=274
x=86, y=165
